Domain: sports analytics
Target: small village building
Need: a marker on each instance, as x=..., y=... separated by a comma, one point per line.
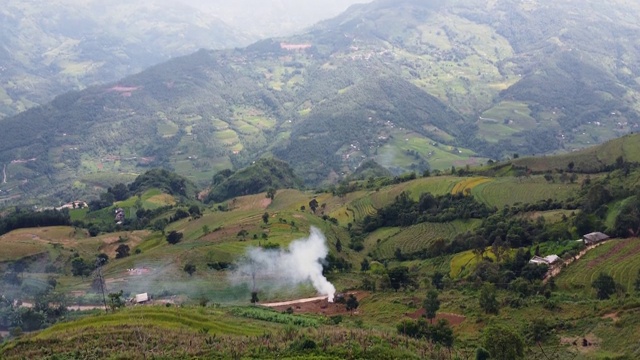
x=119, y=215
x=552, y=259
x=547, y=260
x=141, y=298
x=594, y=238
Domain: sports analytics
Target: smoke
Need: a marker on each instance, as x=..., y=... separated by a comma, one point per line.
x=299, y=264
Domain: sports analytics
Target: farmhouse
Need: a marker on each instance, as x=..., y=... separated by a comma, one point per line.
x=547, y=260
x=594, y=238
x=141, y=298
x=119, y=216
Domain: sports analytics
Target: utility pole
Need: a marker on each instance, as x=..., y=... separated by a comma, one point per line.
x=99, y=263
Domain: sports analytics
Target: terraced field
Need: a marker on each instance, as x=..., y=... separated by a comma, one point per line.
x=508, y=191
x=138, y=330
x=618, y=258
x=362, y=207
x=419, y=237
x=437, y=185
x=469, y=183
x=28, y=242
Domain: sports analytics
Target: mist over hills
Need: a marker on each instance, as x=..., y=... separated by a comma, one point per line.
x=412, y=85
x=50, y=47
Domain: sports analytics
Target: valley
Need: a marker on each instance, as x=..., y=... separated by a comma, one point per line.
x=407, y=179
x=388, y=240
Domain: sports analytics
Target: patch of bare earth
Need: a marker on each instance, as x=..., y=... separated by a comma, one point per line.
x=317, y=306
x=612, y=316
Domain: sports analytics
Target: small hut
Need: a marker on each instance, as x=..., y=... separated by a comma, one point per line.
x=594, y=238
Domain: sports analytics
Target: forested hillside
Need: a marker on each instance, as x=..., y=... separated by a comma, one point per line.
x=414, y=86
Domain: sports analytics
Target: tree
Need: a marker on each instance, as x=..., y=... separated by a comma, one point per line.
x=254, y=297
x=116, y=301
x=120, y=192
x=431, y=305
x=437, y=280
x=441, y=333
x=243, y=233
x=364, y=265
x=339, y=246
x=313, y=205
x=194, y=211
x=174, y=237
x=79, y=267
x=205, y=229
x=503, y=343
x=352, y=303
x=637, y=283
x=102, y=259
x=265, y=217
x=487, y=299
x=189, y=269
x=399, y=277
x=271, y=193
x=122, y=251
x=605, y=286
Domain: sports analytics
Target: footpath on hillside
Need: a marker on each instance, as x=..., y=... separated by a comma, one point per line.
x=555, y=271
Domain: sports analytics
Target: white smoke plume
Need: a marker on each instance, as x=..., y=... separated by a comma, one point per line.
x=299, y=264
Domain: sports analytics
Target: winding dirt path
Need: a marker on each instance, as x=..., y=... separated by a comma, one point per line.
x=293, y=302
x=555, y=271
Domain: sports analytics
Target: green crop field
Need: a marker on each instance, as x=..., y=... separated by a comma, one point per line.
x=627, y=147
x=509, y=191
x=418, y=237
x=618, y=258
x=437, y=185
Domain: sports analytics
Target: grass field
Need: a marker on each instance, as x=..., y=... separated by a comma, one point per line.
x=591, y=159
x=419, y=237
x=618, y=258
x=505, y=119
x=510, y=190
x=437, y=185
x=469, y=183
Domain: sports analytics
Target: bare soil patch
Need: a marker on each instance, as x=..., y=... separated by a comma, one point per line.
x=612, y=316
x=318, y=305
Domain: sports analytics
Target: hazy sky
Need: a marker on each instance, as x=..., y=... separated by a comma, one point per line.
x=272, y=17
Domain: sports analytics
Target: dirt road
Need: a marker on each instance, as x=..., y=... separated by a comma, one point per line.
x=293, y=302
x=4, y=174
x=555, y=271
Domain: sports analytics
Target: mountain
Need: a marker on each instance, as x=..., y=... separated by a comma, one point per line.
x=50, y=47
x=409, y=84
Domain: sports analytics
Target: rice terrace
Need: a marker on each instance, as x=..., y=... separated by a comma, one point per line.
x=444, y=180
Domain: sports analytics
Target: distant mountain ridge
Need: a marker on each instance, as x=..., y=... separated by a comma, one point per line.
x=51, y=47
x=411, y=85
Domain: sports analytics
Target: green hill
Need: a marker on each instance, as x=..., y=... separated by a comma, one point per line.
x=593, y=159
x=262, y=176
x=390, y=242
x=457, y=83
